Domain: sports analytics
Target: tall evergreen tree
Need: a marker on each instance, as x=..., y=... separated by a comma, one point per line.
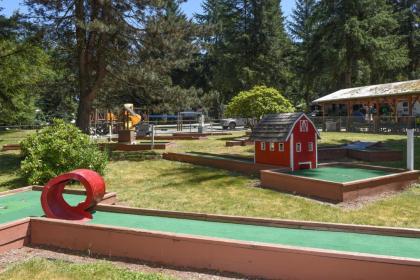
x=24, y=68
x=156, y=78
x=352, y=34
x=248, y=45
x=269, y=45
x=302, y=27
x=408, y=15
x=106, y=39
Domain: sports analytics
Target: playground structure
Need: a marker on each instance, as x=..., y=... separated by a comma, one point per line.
x=131, y=130
x=130, y=127
x=127, y=134
x=253, y=247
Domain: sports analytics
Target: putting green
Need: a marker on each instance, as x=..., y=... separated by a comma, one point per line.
x=339, y=174
x=25, y=204
x=333, y=240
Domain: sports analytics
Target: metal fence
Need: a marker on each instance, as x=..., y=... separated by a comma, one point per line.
x=373, y=124
x=162, y=127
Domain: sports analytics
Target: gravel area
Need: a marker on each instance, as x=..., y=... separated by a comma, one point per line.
x=26, y=253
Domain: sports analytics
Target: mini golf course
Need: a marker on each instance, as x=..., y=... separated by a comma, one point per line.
x=340, y=174
x=27, y=204
x=269, y=248
x=249, y=246
x=332, y=182
x=339, y=182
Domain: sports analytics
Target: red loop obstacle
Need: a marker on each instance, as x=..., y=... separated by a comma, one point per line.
x=53, y=202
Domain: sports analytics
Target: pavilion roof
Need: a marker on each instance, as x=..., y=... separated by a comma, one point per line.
x=373, y=91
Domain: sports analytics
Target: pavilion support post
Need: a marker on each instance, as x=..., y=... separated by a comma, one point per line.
x=323, y=118
x=394, y=109
x=410, y=148
x=349, y=104
x=376, y=116
x=410, y=105
x=410, y=111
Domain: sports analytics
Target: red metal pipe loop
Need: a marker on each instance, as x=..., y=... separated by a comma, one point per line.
x=54, y=204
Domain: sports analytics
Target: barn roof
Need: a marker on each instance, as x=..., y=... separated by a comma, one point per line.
x=275, y=127
x=382, y=90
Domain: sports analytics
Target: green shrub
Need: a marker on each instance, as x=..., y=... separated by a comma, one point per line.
x=257, y=102
x=59, y=148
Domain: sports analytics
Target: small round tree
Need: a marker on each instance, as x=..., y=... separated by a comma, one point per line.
x=257, y=102
x=59, y=148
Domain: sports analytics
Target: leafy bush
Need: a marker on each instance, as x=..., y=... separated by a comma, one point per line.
x=257, y=102
x=59, y=148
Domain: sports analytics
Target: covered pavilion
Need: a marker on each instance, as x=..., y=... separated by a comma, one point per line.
x=387, y=107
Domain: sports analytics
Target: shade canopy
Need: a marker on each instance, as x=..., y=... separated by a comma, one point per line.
x=390, y=90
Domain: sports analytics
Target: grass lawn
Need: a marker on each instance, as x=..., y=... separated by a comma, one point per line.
x=141, y=180
x=42, y=269
x=13, y=136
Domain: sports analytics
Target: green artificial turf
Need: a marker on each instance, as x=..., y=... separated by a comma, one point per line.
x=333, y=240
x=27, y=204
x=339, y=174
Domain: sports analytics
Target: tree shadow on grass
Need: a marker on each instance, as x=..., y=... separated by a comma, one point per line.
x=225, y=155
x=9, y=163
x=134, y=156
x=9, y=168
x=229, y=138
x=193, y=175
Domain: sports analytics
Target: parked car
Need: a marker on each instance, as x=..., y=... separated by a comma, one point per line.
x=232, y=123
x=316, y=113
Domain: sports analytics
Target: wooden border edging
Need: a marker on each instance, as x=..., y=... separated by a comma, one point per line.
x=10, y=147
x=251, y=259
x=297, y=224
x=339, y=192
x=248, y=168
x=135, y=147
x=14, y=235
x=370, y=155
x=246, y=258
x=204, y=134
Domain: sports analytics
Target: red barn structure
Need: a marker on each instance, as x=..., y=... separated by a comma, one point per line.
x=287, y=139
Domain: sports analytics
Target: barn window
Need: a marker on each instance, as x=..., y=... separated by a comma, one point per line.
x=304, y=126
x=281, y=147
x=271, y=147
x=262, y=146
x=310, y=147
x=298, y=147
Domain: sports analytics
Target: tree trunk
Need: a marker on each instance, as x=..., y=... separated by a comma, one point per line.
x=348, y=74
x=83, y=113
x=84, y=108
x=91, y=59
